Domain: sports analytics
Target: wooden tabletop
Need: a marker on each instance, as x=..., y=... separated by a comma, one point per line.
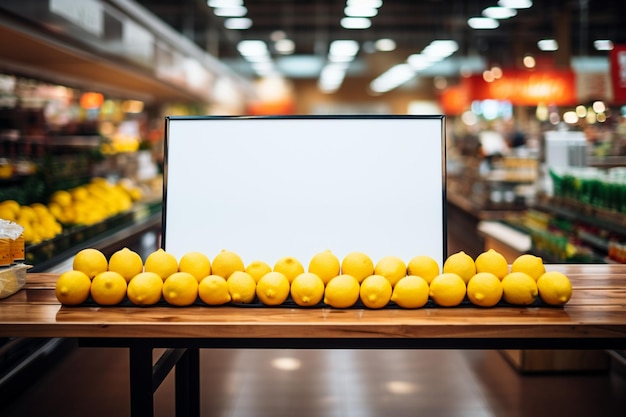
x=595, y=316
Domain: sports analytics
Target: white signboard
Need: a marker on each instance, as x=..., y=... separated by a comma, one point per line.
x=270, y=187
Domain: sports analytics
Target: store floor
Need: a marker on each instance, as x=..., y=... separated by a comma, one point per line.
x=330, y=383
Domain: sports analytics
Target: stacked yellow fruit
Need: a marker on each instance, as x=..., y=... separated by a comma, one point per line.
x=38, y=221
x=484, y=282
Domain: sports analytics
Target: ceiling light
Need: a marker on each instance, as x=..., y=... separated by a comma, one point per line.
x=603, y=45
x=515, y=4
x=285, y=46
x=392, y=78
x=482, y=23
x=548, y=45
x=364, y=3
x=419, y=61
x=238, y=23
x=344, y=48
x=234, y=11
x=441, y=48
x=529, y=61
x=360, y=11
x=252, y=48
x=224, y=3
x=355, y=23
x=385, y=45
x=499, y=12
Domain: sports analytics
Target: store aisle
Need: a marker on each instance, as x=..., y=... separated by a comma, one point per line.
x=330, y=383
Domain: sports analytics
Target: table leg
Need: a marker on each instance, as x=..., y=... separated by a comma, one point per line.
x=141, y=399
x=187, y=380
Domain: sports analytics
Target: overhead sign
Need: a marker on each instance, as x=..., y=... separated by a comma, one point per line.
x=618, y=73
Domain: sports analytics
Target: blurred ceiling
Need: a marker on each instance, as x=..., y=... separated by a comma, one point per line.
x=412, y=24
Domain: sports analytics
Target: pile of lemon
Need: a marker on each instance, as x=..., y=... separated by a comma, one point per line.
x=38, y=221
x=328, y=281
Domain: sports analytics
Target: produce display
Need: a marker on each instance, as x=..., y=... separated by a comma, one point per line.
x=354, y=281
x=83, y=205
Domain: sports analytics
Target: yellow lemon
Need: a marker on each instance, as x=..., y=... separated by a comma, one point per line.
x=447, y=289
x=90, y=261
x=462, y=264
x=554, y=288
x=530, y=264
x=196, y=263
x=342, y=291
x=307, y=289
x=392, y=268
x=484, y=289
x=61, y=197
x=410, y=292
x=273, y=288
x=213, y=290
x=375, y=291
x=289, y=267
x=519, y=288
x=72, y=288
x=241, y=287
x=127, y=263
x=6, y=213
x=492, y=261
x=257, y=269
x=108, y=288
x=423, y=266
x=180, y=289
x=145, y=289
x=325, y=265
x=357, y=264
x=12, y=206
x=226, y=262
x=162, y=263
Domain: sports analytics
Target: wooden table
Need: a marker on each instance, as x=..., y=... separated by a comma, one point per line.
x=595, y=318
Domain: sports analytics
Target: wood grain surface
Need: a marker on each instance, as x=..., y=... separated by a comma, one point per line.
x=597, y=311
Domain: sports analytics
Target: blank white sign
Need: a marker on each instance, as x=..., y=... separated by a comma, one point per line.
x=269, y=187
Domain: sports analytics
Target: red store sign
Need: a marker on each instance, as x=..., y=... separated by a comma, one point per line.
x=618, y=73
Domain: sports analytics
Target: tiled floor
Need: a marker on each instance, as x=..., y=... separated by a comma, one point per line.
x=330, y=383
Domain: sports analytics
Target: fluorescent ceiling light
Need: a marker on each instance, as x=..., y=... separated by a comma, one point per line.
x=224, y=3
x=364, y=3
x=231, y=11
x=419, y=61
x=355, y=23
x=252, y=48
x=441, y=48
x=499, y=12
x=360, y=11
x=392, y=78
x=548, y=45
x=238, y=23
x=603, y=45
x=347, y=48
x=482, y=23
x=385, y=45
x=515, y=4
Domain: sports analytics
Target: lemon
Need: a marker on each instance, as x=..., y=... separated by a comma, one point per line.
x=108, y=288
x=196, y=263
x=226, y=262
x=145, y=289
x=241, y=287
x=12, y=207
x=180, y=289
x=423, y=266
x=462, y=264
x=213, y=290
x=162, y=263
x=554, y=288
x=72, y=288
x=342, y=291
x=62, y=198
x=7, y=213
x=325, y=265
x=410, y=292
x=447, y=289
x=289, y=266
x=273, y=288
x=519, y=288
x=493, y=262
x=484, y=289
x=375, y=291
x=257, y=269
x=307, y=289
x=357, y=264
x=126, y=262
x=530, y=264
x=392, y=268
x=90, y=261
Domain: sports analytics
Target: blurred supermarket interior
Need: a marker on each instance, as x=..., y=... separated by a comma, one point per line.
x=533, y=93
